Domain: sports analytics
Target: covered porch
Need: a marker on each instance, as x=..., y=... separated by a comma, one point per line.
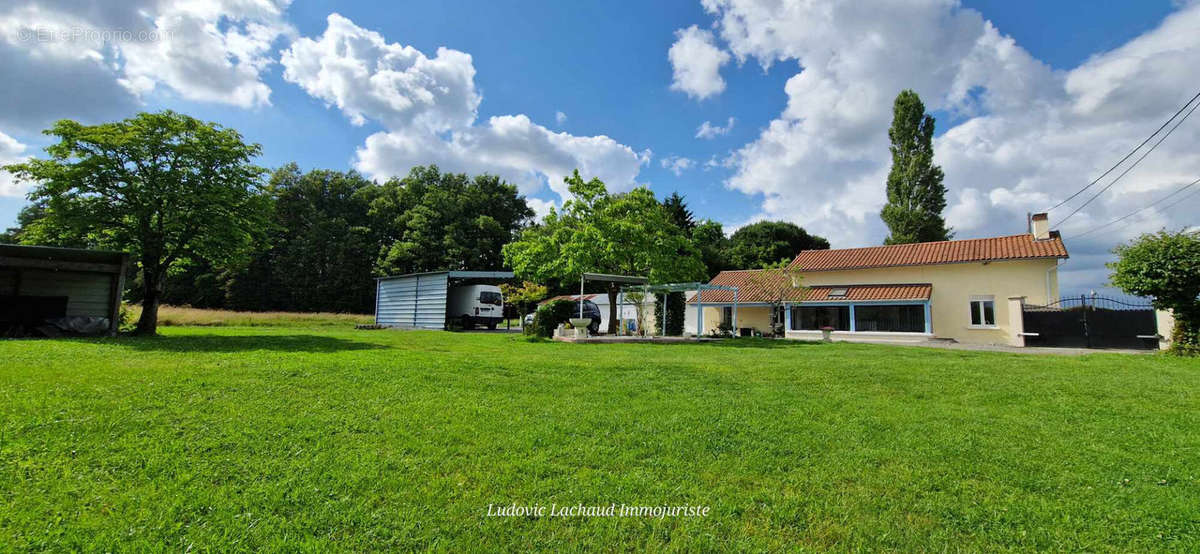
x=893, y=313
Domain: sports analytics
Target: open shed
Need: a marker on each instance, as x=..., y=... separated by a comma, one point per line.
x=418, y=300
x=69, y=288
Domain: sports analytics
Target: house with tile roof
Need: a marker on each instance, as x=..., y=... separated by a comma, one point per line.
x=968, y=290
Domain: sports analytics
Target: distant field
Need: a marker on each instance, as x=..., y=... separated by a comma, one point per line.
x=179, y=316
x=320, y=438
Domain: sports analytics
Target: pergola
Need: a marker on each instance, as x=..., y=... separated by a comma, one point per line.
x=666, y=288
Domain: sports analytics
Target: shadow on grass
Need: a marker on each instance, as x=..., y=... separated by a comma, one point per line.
x=752, y=342
x=226, y=343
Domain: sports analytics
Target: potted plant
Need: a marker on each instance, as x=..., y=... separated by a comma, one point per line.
x=827, y=333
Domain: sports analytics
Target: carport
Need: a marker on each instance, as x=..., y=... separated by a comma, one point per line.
x=418, y=300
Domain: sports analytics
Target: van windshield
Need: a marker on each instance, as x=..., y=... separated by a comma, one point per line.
x=493, y=298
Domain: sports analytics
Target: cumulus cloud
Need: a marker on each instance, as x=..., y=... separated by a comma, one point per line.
x=11, y=152
x=365, y=77
x=103, y=57
x=696, y=63
x=1025, y=135
x=677, y=164
x=512, y=146
x=428, y=105
x=560, y=117
x=707, y=130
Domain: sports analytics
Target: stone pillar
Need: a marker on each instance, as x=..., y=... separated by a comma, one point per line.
x=1016, y=321
x=1165, y=321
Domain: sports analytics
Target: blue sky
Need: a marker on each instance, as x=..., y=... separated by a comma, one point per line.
x=813, y=151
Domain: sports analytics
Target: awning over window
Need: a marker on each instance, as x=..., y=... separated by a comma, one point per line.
x=862, y=293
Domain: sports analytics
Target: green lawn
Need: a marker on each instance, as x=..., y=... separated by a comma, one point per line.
x=219, y=439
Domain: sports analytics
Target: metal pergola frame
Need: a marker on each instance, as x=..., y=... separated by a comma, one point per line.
x=666, y=288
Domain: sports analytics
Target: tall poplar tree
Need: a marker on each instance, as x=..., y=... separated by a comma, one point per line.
x=915, y=193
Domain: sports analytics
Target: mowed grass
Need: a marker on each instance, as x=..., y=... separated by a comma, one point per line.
x=172, y=316
x=317, y=439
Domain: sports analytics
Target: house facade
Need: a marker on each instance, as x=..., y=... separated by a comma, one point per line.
x=969, y=290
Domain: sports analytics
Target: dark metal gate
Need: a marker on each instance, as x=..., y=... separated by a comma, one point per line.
x=1091, y=322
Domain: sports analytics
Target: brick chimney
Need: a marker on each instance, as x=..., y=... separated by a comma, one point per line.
x=1039, y=225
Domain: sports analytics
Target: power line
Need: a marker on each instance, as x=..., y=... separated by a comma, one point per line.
x=1131, y=166
x=1129, y=155
x=1144, y=208
x=1181, y=200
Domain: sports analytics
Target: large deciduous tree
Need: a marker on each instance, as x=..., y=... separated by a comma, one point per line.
x=765, y=243
x=916, y=196
x=628, y=233
x=1165, y=267
x=163, y=186
x=436, y=221
x=709, y=238
x=321, y=246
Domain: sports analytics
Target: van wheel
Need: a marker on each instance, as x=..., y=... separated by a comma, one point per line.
x=467, y=323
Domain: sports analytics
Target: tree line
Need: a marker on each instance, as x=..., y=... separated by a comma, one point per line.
x=206, y=227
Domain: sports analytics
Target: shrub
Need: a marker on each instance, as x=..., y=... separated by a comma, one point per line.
x=549, y=316
x=675, y=307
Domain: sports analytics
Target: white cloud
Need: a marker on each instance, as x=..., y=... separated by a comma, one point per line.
x=560, y=117
x=697, y=63
x=541, y=208
x=511, y=146
x=359, y=72
x=427, y=107
x=203, y=50
x=1025, y=135
x=707, y=130
x=677, y=164
x=11, y=152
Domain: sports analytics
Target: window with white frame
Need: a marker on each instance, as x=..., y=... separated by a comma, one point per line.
x=983, y=311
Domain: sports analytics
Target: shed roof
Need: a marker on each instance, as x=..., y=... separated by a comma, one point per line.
x=1015, y=247
x=458, y=274
x=52, y=257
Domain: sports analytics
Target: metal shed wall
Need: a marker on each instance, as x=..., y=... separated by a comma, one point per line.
x=416, y=301
x=88, y=294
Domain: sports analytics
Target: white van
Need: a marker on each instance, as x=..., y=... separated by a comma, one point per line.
x=473, y=305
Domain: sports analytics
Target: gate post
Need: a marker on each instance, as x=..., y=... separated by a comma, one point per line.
x=1087, y=335
x=1016, y=321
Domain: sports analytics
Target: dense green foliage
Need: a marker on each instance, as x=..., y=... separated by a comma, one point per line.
x=523, y=296
x=675, y=305
x=286, y=439
x=679, y=214
x=321, y=236
x=165, y=187
x=625, y=234
x=1165, y=267
x=320, y=248
x=549, y=316
x=916, y=196
x=433, y=221
x=769, y=242
x=334, y=230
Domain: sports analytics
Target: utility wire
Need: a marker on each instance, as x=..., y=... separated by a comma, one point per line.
x=1144, y=208
x=1129, y=155
x=1133, y=165
x=1180, y=201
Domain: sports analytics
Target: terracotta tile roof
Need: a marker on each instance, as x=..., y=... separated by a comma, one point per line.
x=755, y=285
x=917, y=291
x=1016, y=247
